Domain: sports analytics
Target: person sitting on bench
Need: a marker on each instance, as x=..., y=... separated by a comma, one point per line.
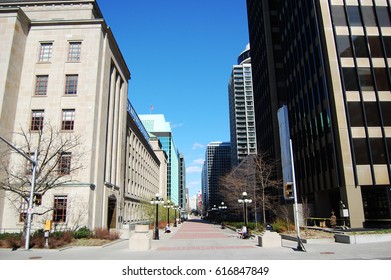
x=167, y=229
x=243, y=232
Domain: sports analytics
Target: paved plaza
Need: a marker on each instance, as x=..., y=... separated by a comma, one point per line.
x=199, y=240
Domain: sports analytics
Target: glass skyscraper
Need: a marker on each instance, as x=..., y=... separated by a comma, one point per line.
x=217, y=164
x=328, y=61
x=157, y=125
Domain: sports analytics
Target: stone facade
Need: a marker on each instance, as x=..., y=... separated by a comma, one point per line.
x=91, y=80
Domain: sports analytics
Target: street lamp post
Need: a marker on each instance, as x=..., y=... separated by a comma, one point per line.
x=157, y=201
x=179, y=215
x=245, y=201
x=168, y=206
x=214, y=208
x=222, y=207
x=179, y=209
x=31, y=198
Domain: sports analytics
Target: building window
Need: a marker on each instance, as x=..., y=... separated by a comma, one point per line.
x=368, y=15
x=37, y=117
x=45, y=53
x=387, y=45
x=344, y=46
x=74, y=51
x=375, y=46
x=60, y=208
x=375, y=202
x=41, y=85
x=354, y=15
x=355, y=114
x=71, y=84
x=361, y=151
x=23, y=210
x=386, y=114
x=388, y=141
x=383, y=16
x=350, y=79
x=64, y=164
x=378, y=151
x=68, y=119
x=360, y=46
x=372, y=113
x=381, y=78
x=365, y=77
x=339, y=18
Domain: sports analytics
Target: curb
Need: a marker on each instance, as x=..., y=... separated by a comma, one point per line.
x=309, y=241
x=362, y=238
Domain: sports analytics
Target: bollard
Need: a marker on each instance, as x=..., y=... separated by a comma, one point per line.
x=140, y=239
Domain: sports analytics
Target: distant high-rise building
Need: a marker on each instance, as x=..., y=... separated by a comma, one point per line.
x=217, y=164
x=204, y=187
x=182, y=182
x=328, y=61
x=241, y=109
x=157, y=125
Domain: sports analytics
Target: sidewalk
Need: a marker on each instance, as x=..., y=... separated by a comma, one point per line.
x=198, y=240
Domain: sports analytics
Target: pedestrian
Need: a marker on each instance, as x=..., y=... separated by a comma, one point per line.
x=167, y=229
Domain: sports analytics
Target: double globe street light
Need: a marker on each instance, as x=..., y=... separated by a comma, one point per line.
x=245, y=201
x=222, y=207
x=168, y=205
x=176, y=208
x=157, y=200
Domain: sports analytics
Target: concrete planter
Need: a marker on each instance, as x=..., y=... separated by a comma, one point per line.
x=269, y=239
x=140, y=239
x=362, y=238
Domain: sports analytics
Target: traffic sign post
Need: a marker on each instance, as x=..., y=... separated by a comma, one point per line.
x=300, y=245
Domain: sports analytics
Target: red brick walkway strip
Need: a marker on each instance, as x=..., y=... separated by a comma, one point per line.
x=197, y=235
x=200, y=248
x=198, y=230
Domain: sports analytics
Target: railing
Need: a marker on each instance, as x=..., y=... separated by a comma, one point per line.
x=137, y=120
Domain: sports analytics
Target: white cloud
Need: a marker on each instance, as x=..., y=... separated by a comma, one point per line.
x=199, y=161
x=174, y=125
x=197, y=146
x=194, y=169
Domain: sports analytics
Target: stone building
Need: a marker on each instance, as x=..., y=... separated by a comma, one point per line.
x=60, y=65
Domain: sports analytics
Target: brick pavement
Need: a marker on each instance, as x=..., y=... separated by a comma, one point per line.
x=197, y=240
x=198, y=232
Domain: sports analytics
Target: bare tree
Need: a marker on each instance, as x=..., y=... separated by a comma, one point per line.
x=256, y=176
x=232, y=185
x=59, y=157
x=266, y=182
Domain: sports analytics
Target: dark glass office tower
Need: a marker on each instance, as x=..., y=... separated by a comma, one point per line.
x=332, y=72
x=267, y=87
x=217, y=164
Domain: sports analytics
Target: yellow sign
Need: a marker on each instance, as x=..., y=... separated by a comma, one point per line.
x=48, y=225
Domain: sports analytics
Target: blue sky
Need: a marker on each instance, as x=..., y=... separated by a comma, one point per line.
x=180, y=54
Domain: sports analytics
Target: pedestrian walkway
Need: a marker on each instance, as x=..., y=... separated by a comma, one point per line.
x=196, y=235
x=198, y=240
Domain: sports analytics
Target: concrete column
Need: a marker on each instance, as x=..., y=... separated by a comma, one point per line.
x=110, y=126
x=115, y=150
